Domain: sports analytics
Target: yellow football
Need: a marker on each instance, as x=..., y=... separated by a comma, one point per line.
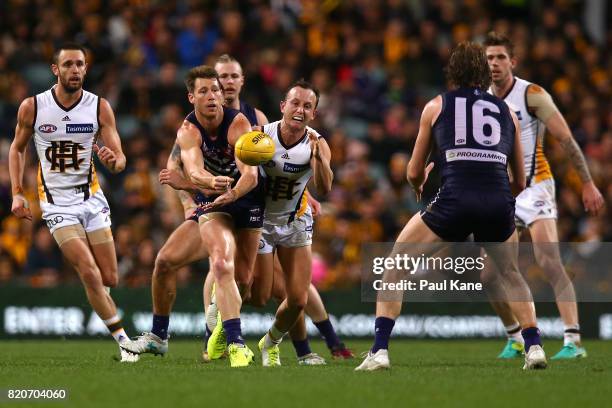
x=254, y=148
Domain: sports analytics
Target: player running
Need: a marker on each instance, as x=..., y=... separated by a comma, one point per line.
x=475, y=196
x=536, y=208
x=300, y=153
x=231, y=211
x=66, y=121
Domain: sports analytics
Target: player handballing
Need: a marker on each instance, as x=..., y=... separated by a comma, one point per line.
x=536, y=208
x=476, y=194
x=300, y=153
x=66, y=121
x=259, y=290
x=231, y=211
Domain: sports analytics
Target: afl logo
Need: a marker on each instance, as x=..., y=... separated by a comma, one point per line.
x=47, y=128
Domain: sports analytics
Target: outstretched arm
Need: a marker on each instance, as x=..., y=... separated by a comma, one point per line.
x=248, y=174
x=322, y=174
x=188, y=140
x=17, y=157
x=110, y=154
x=544, y=108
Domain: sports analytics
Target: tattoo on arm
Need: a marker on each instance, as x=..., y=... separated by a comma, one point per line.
x=186, y=199
x=175, y=154
x=577, y=158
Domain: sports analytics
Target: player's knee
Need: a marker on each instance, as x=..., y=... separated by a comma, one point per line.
x=111, y=281
x=90, y=275
x=297, y=301
x=551, y=264
x=224, y=268
x=164, y=264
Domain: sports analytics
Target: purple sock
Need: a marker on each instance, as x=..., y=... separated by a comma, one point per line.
x=382, y=328
x=232, y=331
x=160, y=326
x=531, y=335
x=302, y=347
x=329, y=334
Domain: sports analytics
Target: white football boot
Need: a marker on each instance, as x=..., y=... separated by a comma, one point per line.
x=535, y=359
x=146, y=343
x=311, y=359
x=376, y=361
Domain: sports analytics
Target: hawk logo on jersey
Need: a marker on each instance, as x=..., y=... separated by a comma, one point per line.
x=47, y=128
x=80, y=128
x=64, y=154
x=280, y=188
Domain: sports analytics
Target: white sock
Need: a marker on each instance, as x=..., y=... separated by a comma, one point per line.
x=273, y=337
x=571, y=334
x=514, y=333
x=120, y=335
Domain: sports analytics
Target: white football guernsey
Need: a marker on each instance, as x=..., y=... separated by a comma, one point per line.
x=532, y=133
x=286, y=176
x=64, y=137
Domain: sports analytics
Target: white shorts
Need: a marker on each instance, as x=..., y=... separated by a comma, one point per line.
x=296, y=234
x=93, y=214
x=536, y=202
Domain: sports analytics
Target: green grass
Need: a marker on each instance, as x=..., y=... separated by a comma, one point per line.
x=424, y=373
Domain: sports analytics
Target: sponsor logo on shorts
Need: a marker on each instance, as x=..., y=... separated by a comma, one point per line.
x=539, y=203
x=262, y=244
x=295, y=168
x=105, y=210
x=79, y=128
x=255, y=218
x=51, y=222
x=47, y=128
x=475, y=155
x=518, y=115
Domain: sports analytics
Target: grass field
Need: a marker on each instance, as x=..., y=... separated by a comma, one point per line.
x=424, y=373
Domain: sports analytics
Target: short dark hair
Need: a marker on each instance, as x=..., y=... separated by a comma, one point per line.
x=493, y=38
x=468, y=66
x=201, y=71
x=68, y=46
x=302, y=83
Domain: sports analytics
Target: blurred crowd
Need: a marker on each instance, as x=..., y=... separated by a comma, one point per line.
x=376, y=63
